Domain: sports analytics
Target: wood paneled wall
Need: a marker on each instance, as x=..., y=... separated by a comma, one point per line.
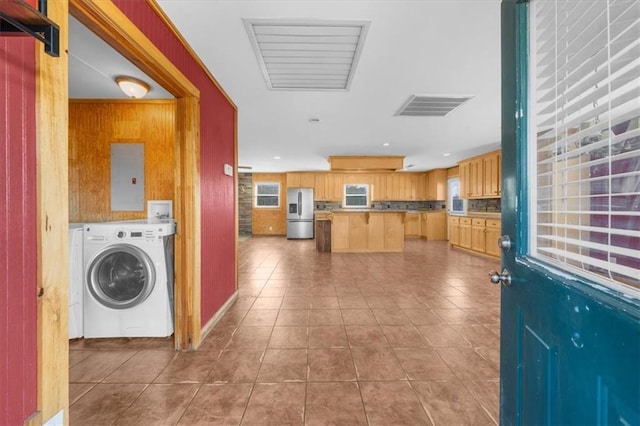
x=270, y=221
x=93, y=126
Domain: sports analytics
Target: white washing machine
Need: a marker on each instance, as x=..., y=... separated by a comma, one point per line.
x=128, y=268
x=76, y=281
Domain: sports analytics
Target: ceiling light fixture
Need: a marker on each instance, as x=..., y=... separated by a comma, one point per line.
x=132, y=87
x=277, y=157
x=386, y=144
x=446, y=154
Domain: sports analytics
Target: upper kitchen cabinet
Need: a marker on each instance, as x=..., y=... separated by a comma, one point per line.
x=320, y=187
x=492, y=175
x=335, y=186
x=300, y=180
x=396, y=186
x=435, y=185
x=480, y=177
x=327, y=186
x=358, y=178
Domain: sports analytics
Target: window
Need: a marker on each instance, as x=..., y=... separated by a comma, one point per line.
x=585, y=140
x=455, y=204
x=267, y=194
x=356, y=195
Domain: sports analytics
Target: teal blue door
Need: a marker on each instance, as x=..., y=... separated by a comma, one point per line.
x=570, y=338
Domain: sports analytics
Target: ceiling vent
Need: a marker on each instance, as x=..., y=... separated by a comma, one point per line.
x=307, y=54
x=431, y=105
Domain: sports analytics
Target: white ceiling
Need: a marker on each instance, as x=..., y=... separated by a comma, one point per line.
x=94, y=65
x=417, y=47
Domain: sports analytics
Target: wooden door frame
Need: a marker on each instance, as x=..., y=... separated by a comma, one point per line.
x=112, y=25
x=107, y=21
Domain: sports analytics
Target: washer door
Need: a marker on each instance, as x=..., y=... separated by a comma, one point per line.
x=121, y=277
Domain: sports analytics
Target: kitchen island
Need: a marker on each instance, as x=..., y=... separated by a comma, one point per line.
x=367, y=231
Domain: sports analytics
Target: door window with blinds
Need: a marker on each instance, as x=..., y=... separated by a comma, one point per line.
x=584, y=138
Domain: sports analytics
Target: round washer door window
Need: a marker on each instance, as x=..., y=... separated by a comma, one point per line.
x=121, y=277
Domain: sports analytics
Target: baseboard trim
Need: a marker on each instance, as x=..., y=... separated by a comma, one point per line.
x=217, y=317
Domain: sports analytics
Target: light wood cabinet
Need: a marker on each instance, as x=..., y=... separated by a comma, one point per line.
x=412, y=225
x=340, y=233
x=481, y=177
x=477, y=234
x=436, y=185
x=423, y=224
x=465, y=232
x=436, y=226
x=320, y=187
x=464, y=173
x=493, y=231
x=476, y=175
x=478, y=238
x=367, y=232
x=335, y=186
x=454, y=231
x=384, y=186
x=300, y=180
x=492, y=175
x=375, y=233
x=379, y=190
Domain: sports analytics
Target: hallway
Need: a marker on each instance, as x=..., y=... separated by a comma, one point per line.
x=315, y=338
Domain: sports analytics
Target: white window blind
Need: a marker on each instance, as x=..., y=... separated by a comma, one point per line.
x=356, y=195
x=267, y=194
x=584, y=138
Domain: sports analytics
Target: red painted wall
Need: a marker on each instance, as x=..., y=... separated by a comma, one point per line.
x=217, y=148
x=18, y=249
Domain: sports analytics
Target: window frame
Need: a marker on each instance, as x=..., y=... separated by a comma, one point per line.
x=257, y=195
x=531, y=250
x=346, y=196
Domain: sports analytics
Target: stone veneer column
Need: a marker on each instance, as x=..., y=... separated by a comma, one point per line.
x=245, y=203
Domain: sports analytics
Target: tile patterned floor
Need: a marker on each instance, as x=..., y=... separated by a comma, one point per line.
x=317, y=339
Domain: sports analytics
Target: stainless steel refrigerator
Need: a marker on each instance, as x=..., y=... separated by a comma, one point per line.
x=299, y=213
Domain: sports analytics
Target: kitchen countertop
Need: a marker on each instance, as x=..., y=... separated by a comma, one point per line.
x=377, y=211
x=481, y=215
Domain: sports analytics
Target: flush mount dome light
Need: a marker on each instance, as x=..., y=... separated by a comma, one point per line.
x=132, y=87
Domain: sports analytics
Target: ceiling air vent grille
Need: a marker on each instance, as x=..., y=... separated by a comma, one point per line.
x=431, y=105
x=307, y=55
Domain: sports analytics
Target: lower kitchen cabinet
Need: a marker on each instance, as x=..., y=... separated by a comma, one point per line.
x=477, y=234
x=478, y=237
x=492, y=235
x=465, y=232
x=433, y=226
x=412, y=225
x=454, y=231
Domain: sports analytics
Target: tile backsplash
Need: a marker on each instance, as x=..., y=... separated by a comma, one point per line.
x=485, y=205
x=388, y=205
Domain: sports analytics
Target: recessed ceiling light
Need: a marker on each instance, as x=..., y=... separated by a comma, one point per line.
x=314, y=120
x=277, y=157
x=446, y=154
x=386, y=144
